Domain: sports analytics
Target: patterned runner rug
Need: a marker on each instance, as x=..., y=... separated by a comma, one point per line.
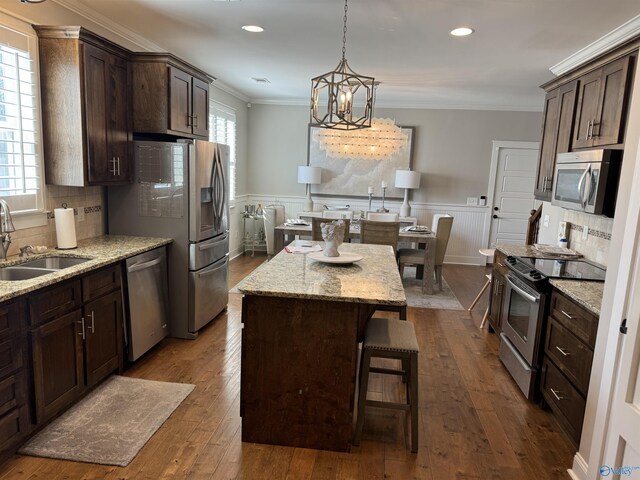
x=111, y=424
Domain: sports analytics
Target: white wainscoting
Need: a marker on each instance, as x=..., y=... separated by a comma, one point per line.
x=466, y=236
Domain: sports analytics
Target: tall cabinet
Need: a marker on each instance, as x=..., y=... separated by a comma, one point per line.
x=86, y=98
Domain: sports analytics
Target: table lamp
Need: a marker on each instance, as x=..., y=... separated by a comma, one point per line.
x=309, y=176
x=407, y=179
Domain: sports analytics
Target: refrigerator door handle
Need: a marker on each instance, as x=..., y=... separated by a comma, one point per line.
x=222, y=181
x=214, y=194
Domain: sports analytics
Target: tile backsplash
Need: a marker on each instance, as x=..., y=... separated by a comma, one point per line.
x=90, y=199
x=596, y=245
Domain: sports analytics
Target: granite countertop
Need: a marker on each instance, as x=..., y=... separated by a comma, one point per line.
x=374, y=279
x=101, y=251
x=586, y=294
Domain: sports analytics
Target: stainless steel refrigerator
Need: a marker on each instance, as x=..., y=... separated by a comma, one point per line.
x=181, y=191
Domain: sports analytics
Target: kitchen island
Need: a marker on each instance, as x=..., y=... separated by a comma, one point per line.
x=302, y=323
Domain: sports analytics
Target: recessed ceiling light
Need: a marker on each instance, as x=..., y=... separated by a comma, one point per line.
x=462, y=31
x=253, y=28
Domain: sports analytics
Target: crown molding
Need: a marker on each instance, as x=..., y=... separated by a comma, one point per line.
x=413, y=106
x=624, y=32
x=110, y=25
x=230, y=90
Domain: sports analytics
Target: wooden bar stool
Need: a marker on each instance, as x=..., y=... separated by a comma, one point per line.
x=396, y=339
x=487, y=252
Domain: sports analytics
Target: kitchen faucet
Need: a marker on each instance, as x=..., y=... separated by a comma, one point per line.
x=6, y=227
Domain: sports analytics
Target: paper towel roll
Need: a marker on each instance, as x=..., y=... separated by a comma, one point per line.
x=65, y=228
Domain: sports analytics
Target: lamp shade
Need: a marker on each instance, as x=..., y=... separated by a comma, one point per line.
x=407, y=179
x=309, y=175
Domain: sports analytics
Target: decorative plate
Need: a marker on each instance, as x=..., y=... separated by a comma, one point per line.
x=343, y=259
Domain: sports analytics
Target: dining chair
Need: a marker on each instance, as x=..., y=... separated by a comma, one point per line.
x=316, y=231
x=441, y=227
x=383, y=217
x=380, y=233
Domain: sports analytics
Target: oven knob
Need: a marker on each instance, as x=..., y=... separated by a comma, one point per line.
x=536, y=276
x=511, y=260
x=533, y=272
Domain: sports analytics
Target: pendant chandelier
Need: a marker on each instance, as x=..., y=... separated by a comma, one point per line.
x=380, y=142
x=342, y=99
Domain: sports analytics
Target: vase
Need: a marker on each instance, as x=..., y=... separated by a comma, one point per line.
x=333, y=235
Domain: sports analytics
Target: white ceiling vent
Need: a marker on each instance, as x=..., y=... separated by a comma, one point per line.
x=261, y=81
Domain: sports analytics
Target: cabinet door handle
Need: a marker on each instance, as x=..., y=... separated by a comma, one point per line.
x=566, y=315
x=590, y=130
x=544, y=184
x=562, y=351
x=593, y=129
x=118, y=158
x=188, y=120
x=81, y=322
x=113, y=166
x=586, y=137
x=92, y=327
x=195, y=121
x=556, y=394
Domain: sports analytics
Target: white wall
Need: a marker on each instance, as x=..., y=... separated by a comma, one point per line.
x=452, y=148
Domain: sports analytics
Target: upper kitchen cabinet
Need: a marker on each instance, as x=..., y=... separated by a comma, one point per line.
x=601, y=114
x=86, y=98
x=170, y=96
x=557, y=126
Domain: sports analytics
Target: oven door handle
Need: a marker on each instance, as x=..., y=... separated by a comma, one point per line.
x=526, y=295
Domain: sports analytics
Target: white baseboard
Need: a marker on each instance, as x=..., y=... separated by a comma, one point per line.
x=579, y=470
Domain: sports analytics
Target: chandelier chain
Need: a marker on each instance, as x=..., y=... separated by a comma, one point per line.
x=344, y=31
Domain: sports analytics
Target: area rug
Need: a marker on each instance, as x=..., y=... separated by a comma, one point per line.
x=111, y=424
x=444, y=300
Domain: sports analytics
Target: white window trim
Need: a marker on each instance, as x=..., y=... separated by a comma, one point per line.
x=221, y=106
x=35, y=218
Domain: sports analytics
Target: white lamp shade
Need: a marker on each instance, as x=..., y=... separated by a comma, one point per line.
x=309, y=175
x=407, y=179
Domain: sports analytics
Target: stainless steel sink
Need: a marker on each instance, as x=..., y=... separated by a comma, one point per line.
x=54, y=263
x=21, y=273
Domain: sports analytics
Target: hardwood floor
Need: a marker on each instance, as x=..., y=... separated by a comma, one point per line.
x=474, y=423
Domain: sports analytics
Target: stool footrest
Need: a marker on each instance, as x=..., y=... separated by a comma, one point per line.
x=388, y=371
x=393, y=405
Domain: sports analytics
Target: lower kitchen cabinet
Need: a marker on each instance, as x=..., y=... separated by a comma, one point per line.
x=57, y=364
x=14, y=400
x=566, y=368
x=80, y=343
x=103, y=337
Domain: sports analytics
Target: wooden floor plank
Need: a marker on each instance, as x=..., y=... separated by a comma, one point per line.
x=474, y=422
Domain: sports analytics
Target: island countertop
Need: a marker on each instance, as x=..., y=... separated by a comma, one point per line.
x=100, y=251
x=374, y=279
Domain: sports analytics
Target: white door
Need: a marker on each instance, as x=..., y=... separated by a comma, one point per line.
x=515, y=165
x=622, y=444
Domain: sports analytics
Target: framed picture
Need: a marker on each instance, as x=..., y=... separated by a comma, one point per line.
x=351, y=177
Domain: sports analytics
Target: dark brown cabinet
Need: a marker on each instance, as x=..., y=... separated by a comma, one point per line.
x=169, y=97
x=14, y=417
x=77, y=340
x=568, y=355
x=496, y=294
x=86, y=97
x=601, y=113
x=557, y=127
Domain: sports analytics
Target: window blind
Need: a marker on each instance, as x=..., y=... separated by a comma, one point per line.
x=222, y=123
x=20, y=169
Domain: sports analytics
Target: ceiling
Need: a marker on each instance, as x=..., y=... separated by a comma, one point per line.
x=404, y=44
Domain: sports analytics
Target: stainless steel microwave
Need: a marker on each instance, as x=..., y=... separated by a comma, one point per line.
x=587, y=181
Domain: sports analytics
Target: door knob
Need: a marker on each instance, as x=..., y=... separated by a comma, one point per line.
x=496, y=208
x=495, y=216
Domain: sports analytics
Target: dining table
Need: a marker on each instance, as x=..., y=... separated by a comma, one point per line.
x=423, y=237
x=303, y=317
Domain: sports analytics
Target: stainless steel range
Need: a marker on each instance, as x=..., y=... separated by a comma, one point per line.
x=524, y=311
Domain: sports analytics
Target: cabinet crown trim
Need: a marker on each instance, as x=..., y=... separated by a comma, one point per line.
x=626, y=31
x=170, y=59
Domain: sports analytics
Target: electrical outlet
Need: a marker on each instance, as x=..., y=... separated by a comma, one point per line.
x=472, y=200
x=545, y=222
x=81, y=214
x=585, y=232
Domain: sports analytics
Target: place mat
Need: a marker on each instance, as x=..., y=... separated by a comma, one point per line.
x=111, y=424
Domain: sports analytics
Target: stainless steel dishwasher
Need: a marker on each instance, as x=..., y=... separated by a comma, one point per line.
x=148, y=301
